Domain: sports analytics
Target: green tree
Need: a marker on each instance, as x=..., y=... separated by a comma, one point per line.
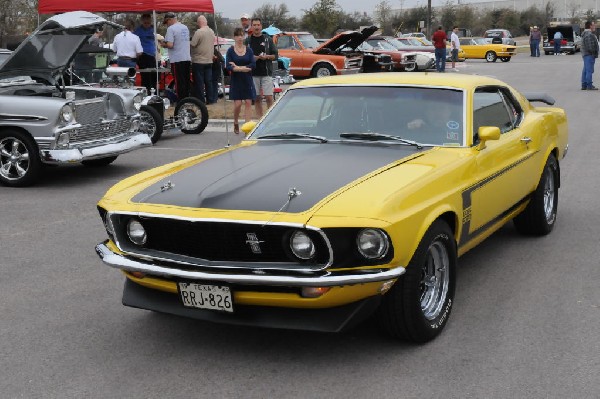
x=354, y=21
x=448, y=15
x=276, y=15
x=384, y=14
x=323, y=18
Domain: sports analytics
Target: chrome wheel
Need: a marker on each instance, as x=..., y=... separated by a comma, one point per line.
x=191, y=115
x=435, y=278
x=14, y=158
x=549, y=196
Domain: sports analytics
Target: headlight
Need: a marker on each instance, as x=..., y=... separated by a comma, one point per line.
x=66, y=114
x=372, y=243
x=302, y=246
x=62, y=140
x=137, y=101
x=108, y=226
x=136, y=232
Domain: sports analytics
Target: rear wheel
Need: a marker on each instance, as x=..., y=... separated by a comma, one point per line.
x=322, y=69
x=490, y=56
x=20, y=163
x=151, y=123
x=191, y=115
x=504, y=59
x=419, y=304
x=540, y=215
x=97, y=163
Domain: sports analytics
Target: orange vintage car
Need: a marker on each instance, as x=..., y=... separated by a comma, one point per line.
x=337, y=56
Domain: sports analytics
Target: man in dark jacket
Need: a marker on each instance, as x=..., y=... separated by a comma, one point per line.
x=589, y=52
x=265, y=52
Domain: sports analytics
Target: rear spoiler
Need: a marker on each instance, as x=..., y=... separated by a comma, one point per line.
x=541, y=97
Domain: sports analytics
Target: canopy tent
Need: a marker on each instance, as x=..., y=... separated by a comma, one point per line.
x=57, y=6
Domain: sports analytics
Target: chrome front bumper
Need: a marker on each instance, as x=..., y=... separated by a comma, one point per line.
x=349, y=71
x=74, y=155
x=359, y=277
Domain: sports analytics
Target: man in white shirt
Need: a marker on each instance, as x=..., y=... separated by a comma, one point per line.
x=127, y=45
x=454, y=46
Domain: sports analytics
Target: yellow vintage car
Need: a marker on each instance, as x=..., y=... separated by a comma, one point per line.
x=483, y=48
x=353, y=197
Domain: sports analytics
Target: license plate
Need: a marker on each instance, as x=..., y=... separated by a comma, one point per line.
x=205, y=296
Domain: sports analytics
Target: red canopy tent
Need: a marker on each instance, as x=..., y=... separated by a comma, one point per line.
x=57, y=6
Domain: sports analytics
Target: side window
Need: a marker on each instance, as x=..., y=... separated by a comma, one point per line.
x=491, y=109
x=285, y=42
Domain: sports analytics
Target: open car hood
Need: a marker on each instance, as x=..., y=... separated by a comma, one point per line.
x=48, y=51
x=346, y=41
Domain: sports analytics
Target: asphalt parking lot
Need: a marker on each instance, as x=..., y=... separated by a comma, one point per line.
x=525, y=323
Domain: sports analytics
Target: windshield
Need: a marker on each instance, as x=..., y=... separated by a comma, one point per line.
x=381, y=45
x=308, y=41
x=429, y=116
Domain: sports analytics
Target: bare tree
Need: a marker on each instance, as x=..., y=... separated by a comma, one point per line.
x=323, y=18
x=384, y=14
x=276, y=15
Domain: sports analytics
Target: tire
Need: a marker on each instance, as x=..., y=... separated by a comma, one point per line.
x=151, y=123
x=100, y=162
x=546, y=53
x=418, y=306
x=322, y=69
x=490, y=56
x=191, y=115
x=413, y=68
x=505, y=59
x=20, y=163
x=539, y=216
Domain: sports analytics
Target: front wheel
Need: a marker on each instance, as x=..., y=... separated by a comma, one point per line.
x=191, y=115
x=504, y=59
x=96, y=163
x=539, y=216
x=418, y=306
x=411, y=67
x=322, y=69
x=151, y=123
x=490, y=56
x=20, y=163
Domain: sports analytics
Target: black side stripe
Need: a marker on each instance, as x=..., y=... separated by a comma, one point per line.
x=467, y=195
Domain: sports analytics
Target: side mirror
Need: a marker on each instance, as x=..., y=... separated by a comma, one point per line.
x=249, y=127
x=487, y=133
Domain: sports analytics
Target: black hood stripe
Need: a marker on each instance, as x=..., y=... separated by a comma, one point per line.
x=259, y=177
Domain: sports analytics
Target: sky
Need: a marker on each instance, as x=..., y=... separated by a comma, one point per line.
x=235, y=8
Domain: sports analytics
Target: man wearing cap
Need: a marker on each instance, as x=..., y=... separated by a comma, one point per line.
x=177, y=41
x=148, y=57
x=245, y=21
x=203, y=50
x=534, y=41
x=127, y=46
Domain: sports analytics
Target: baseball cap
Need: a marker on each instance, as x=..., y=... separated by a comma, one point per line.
x=245, y=16
x=535, y=27
x=169, y=15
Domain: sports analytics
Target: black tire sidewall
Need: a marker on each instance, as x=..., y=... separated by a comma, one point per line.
x=158, y=122
x=35, y=163
x=203, y=112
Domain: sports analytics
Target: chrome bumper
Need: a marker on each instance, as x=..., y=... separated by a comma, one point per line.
x=349, y=71
x=134, y=265
x=74, y=155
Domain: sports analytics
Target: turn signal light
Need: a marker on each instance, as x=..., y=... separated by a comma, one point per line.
x=138, y=274
x=314, y=292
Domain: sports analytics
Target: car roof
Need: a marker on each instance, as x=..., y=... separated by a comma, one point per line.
x=424, y=79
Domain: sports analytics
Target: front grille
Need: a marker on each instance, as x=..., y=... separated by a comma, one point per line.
x=100, y=131
x=354, y=62
x=210, y=241
x=90, y=111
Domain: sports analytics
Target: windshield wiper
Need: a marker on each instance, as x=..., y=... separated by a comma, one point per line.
x=294, y=136
x=379, y=136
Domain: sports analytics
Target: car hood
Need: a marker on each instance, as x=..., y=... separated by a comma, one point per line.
x=259, y=176
x=48, y=51
x=345, y=41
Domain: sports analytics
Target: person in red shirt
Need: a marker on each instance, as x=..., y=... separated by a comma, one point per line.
x=439, y=42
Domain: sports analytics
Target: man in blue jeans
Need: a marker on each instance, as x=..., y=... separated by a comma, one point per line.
x=534, y=41
x=202, y=52
x=589, y=52
x=439, y=42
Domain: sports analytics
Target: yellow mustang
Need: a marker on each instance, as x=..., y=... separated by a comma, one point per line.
x=483, y=48
x=354, y=195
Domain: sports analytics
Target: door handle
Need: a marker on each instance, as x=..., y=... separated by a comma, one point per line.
x=526, y=140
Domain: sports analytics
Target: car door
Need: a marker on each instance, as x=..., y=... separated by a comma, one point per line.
x=288, y=46
x=505, y=167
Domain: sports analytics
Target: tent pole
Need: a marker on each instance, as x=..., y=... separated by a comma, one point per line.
x=158, y=53
x=222, y=83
